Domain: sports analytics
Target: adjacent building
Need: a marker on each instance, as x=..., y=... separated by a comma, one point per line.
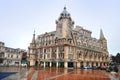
x=10, y=56
x=68, y=46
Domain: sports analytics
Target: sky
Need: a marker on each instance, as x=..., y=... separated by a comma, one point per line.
x=19, y=19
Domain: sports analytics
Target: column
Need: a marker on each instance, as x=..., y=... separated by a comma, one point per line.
x=94, y=64
x=82, y=57
x=66, y=56
x=65, y=64
x=57, y=53
x=90, y=63
x=75, y=65
x=50, y=53
x=57, y=64
x=44, y=64
x=66, y=52
x=50, y=64
x=75, y=53
x=84, y=64
x=78, y=64
x=98, y=63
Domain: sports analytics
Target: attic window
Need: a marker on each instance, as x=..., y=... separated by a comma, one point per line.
x=61, y=14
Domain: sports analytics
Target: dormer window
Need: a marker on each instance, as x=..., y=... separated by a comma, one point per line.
x=61, y=14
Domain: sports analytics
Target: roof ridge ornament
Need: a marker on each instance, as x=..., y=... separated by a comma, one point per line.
x=64, y=7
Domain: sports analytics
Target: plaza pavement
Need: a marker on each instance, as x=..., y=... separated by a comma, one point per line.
x=57, y=74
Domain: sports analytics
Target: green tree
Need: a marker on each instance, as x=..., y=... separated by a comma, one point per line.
x=117, y=58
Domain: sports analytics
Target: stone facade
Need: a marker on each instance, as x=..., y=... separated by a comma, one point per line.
x=10, y=56
x=68, y=46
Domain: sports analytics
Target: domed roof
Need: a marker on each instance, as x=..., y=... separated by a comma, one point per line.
x=65, y=13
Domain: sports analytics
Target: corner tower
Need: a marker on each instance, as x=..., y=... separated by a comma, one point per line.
x=64, y=24
x=32, y=51
x=103, y=41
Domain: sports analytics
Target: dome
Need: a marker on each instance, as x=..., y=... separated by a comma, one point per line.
x=65, y=13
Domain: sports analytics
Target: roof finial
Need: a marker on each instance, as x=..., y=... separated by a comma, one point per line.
x=34, y=31
x=65, y=7
x=33, y=40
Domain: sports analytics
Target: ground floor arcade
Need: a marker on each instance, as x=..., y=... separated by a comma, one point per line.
x=69, y=64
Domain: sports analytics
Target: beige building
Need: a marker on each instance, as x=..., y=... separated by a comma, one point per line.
x=10, y=56
x=68, y=46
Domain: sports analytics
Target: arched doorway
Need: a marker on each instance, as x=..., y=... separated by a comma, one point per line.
x=70, y=64
x=81, y=65
x=41, y=64
x=104, y=63
x=47, y=64
x=36, y=63
x=1, y=61
x=96, y=63
x=92, y=64
x=61, y=64
x=101, y=64
x=53, y=64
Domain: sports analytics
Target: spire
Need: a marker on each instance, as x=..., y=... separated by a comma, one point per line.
x=33, y=40
x=101, y=34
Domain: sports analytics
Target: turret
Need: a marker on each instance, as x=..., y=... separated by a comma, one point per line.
x=103, y=41
x=33, y=40
x=32, y=51
x=64, y=23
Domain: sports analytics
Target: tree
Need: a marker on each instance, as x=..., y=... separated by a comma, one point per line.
x=117, y=57
x=113, y=58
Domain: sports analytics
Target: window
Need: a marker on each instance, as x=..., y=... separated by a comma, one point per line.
x=61, y=55
x=40, y=55
x=44, y=56
x=48, y=55
x=11, y=56
x=44, y=50
x=70, y=56
x=48, y=49
x=70, y=41
x=79, y=55
x=54, y=55
x=0, y=55
x=17, y=56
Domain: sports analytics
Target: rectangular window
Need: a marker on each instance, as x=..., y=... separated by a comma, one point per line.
x=70, y=56
x=17, y=56
x=11, y=56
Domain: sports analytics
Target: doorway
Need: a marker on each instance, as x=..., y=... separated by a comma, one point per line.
x=70, y=64
x=61, y=64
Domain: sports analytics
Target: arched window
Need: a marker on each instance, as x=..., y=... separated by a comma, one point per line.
x=54, y=56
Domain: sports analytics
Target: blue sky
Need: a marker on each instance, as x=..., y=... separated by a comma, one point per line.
x=19, y=18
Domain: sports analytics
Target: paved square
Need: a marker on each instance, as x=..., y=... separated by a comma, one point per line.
x=59, y=74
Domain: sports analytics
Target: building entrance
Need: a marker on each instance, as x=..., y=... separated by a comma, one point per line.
x=61, y=64
x=36, y=63
x=47, y=64
x=54, y=64
x=1, y=60
x=70, y=64
x=81, y=65
x=96, y=63
x=92, y=64
x=41, y=64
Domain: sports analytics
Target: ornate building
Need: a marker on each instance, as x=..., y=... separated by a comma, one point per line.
x=10, y=56
x=68, y=46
